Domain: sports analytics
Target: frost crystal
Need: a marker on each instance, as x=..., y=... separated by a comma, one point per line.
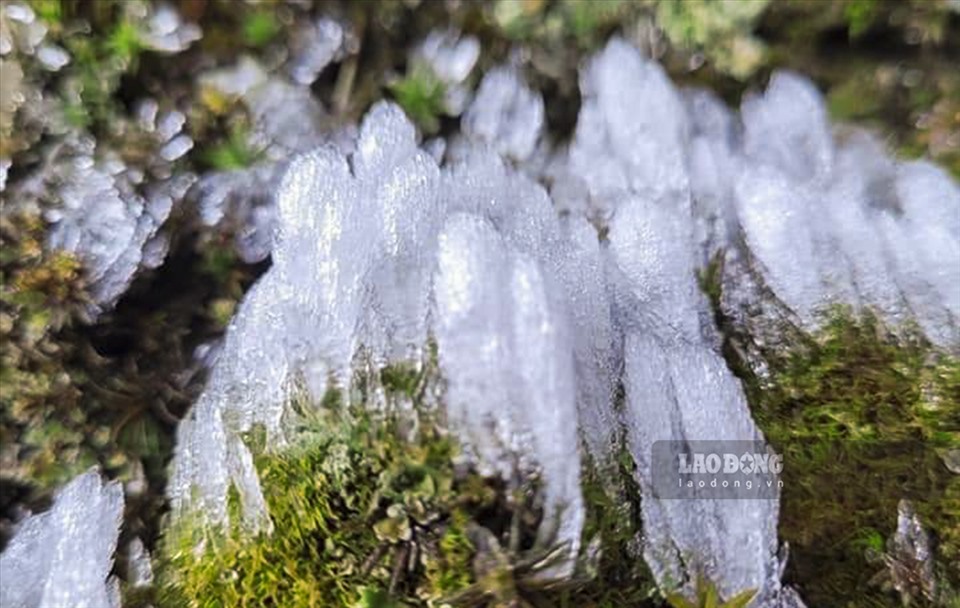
x=506, y=113
x=315, y=46
x=676, y=178
x=350, y=267
x=164, y=31
x=504, y=334
x=632, y=129
x=63, y=557
x=108, y=223
x=52, y=57
x=22, y=30
x=678, y=388
x=355, y=262
x=828, y=223
x=287, y=119
x=792, y=211
x=450, y=57
x=4, y=169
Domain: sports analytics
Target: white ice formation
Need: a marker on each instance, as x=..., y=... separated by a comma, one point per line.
x=105, y=211
x=163, y=30
x=506, y=113
x=813, y=220
x=316, y=44
x=629, y=149
x=63, y=557
x=287, y=120
x=540, y=316
x=122, y=236
x=450, y=57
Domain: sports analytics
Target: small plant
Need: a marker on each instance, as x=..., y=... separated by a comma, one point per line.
x=421, y=94
x=709, y=597
x=234, y=152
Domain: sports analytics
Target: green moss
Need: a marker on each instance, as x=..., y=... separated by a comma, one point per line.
x=234, y=152
x=260, y=28
x=721, y=30
x=613, y=521
x=710, y=279
x=370, y=510
x=588, y=22
x=860, y=15
x=518, y=19
x=360, y=514
x=41, y=427
x=63, y=406
x=49, y=11
x=402, y=378
x=99, y=61
x=421, y=94
x=123, y=42
x=863, y=418
x=854, y=99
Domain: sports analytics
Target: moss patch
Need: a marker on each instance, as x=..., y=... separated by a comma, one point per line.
x=373, y=510
x=41, y=426
x=863, y=417
x=421, y=94
x=361, y=515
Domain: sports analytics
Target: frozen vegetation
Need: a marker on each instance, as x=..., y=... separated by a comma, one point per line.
x=132, y=200
x=123, y=236
x=286, y=120
x=450, y=58
x=539, y=317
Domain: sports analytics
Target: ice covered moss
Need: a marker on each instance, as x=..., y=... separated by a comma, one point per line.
x=802, y=219
x=436, y=80
x=506, y=114
x=270, y=118
x=365, y=252
x=538, y=316
x=381, y=509
x=107, y=179
x=363, y=506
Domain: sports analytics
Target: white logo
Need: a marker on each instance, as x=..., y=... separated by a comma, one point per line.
x=747, y=463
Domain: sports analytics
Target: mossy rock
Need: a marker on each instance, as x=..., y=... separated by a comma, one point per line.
x=864, y=417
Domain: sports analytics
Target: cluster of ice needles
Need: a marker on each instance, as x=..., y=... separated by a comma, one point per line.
x=544, y=304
